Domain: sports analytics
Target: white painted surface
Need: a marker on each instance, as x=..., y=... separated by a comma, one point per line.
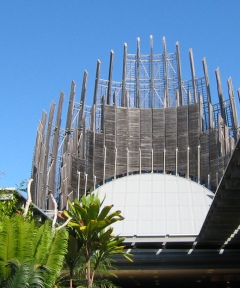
x=157, y=204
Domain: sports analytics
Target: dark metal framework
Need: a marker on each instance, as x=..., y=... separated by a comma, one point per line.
x=152, y=121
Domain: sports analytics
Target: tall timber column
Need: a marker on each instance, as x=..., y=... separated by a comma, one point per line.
x=234, y=117
x=207, y=102
x=179, y=75
x=109, y=91
x=48, y=136
x=137, y=100
x=170, y=137
x=152, y=73
x=182, y=138
x=133, y=138
x=78, y=166
x=109, y=137
x=51, y=183
x=193, y=75
x=124, y=94
x=166, y=102
x=220, y=94
x=67, y=150
x=38, y=158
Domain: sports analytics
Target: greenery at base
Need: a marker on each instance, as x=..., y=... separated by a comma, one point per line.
x=92, y=234
x=34, y=254
x=30, y=251
x=15, y=205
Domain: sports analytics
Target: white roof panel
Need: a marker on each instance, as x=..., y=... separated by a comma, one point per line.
x=157, y=204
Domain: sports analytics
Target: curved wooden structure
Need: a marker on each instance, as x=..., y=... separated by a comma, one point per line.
x=150, y=122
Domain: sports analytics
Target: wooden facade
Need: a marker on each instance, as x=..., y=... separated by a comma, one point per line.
x=150, y=122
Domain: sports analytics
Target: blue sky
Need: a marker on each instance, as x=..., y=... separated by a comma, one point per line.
x=46, y=44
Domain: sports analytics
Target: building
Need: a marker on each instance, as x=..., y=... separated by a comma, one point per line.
x=155, y=143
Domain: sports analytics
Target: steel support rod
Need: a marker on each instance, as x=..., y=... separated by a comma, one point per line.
x=78, y=189
x=104, y=164
x=164, y=161
x=127, y=161
x=140, y=161
x=199, y=166
x=85, y=190
x=176, y=161
x=115, y=99
x=94, y=182
x=177, y=98
x=188, y=162
x=152, y=161
x=115, y=164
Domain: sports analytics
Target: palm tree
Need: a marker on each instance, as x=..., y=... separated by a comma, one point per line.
x=90, y=223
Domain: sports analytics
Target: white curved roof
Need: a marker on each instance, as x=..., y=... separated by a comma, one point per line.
x=157, y=204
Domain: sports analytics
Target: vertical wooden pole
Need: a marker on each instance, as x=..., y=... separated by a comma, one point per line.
x=220, y=93
x=179, y=74
x=83, y=97
x=51, y=180
x=123, y=104
x=233, y=107
x=48, y=135
x=69, y=116
x=110, y=78
x=152, y=73
x=193, y=75
x=165, y=72
x=205, y=70
x=137, y=101
x=95, y=95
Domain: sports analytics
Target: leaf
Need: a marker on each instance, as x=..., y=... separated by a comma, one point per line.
x=68, y=214
x=104, y=212
x=93, y=211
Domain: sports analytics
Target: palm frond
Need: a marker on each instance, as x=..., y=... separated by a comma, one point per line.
x=8, y=243
x=43, y=242
x=25, y=274
x=26, y=233
x=56, y=254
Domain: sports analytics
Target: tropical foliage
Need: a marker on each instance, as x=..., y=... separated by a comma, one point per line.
x=91, y=226
x=28, y=248
x=32, y=254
